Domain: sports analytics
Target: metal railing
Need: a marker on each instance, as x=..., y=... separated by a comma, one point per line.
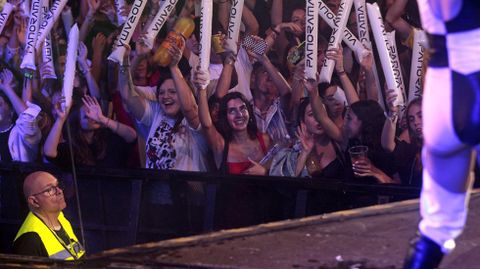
x=117, y=210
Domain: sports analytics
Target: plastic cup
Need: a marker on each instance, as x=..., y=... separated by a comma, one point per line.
x=358, y=153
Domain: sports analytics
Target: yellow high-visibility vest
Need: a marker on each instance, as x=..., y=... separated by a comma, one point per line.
x=56, y=248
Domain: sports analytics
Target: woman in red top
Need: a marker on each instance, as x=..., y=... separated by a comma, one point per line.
x=237, y=146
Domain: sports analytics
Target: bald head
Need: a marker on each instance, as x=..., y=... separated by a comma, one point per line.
x=35, y=182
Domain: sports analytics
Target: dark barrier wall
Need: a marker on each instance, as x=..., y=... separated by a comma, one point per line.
x=125, y=207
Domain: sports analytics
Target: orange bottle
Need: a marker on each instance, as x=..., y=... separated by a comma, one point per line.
x=183, y=29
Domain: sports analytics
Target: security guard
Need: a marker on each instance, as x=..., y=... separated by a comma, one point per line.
x=46, y=232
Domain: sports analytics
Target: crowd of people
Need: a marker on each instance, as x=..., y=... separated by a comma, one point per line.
x=258, y=115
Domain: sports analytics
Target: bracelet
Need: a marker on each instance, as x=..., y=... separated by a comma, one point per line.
x=275, y=31
x=230, y=60
x=124, y=68
x=28, y=74
x=85, y=71
x=341, y=73
x=391, y=116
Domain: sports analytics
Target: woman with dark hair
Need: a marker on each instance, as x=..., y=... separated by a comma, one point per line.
x=407, y=155
x=237, y=148
x=315, y=154
x=92, y=144
x=173, y=139
x=363, y=126
x=237, y=145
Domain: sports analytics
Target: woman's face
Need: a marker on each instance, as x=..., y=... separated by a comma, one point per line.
x=298, y=17
x=86, y=123
x=335, y=106
x=237, y=115
x=313, y=126
x=414, y=119
x=168, y=99
x=353, y=125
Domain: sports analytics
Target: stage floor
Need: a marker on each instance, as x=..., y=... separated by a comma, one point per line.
x=372, y=237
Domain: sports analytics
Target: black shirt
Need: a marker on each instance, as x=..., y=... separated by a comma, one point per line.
x=29, y=244
x=117, y=153
x=4, y=150
x=408, y=162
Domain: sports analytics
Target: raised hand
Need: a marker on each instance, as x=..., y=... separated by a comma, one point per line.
x=98, y=42
x=58, y=112
x=291, y=27
x=109, y=10
x=93, y=6
x=306, y=138
x=175, y=52
x=255, y=169
x=311, y=86
x=251, y=52
x=367, y=60
x=124, y=11
x=200, y=78
x=82, y=56
x=336, y=54
x=7, y=79
x=299, y=70
x=93, y=110
x=391, y=97
x=140, y=46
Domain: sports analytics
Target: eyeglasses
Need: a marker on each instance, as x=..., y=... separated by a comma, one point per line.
x=52, y=190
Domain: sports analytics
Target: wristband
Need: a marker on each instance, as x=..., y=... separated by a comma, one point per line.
x=341, y=73
x=275, y=31
x=28, y=74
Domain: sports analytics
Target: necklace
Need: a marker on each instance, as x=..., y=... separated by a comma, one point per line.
x=6, y=130
x=313, y=163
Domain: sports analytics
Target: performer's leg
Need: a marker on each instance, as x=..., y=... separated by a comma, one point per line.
x=447, y=162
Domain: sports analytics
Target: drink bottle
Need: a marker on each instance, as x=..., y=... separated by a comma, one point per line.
x=181, y=31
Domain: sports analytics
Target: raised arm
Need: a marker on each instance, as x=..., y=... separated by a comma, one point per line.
x=93, y=6
x=135, y=103
x=394, y=19
x=55, y=134
x=98, y=44
x=93, y=88
x=370, y=84
x=187, y=9
x=320, y=113
x=298, y=89
x=185, y=96
x=337, y=56
x=225, y=79
x=214, y=138
x=251, y=23
x=390, y=126
x=94, y=112
x=6, y=85
x=308, y=143
x=277, y=78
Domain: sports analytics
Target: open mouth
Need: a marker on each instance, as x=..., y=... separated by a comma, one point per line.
x=239, y=121
x=168, y=103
